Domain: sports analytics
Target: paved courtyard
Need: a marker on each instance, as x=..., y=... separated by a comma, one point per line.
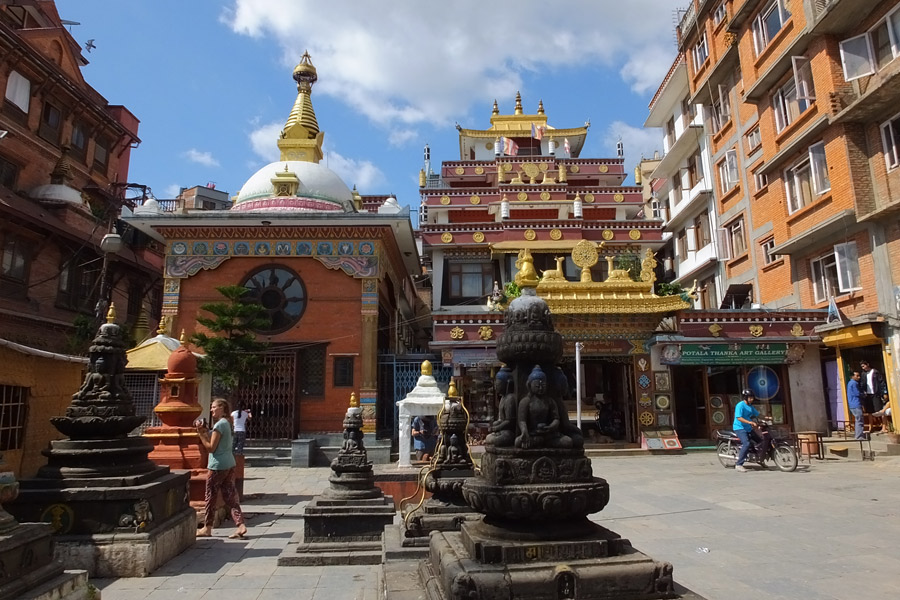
x=829, y=531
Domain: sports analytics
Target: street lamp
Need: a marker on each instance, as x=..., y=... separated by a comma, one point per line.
x=110, y=244
x=579, y=346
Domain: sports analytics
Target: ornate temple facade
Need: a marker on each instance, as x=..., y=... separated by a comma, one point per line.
x=334, y=273
x=521, y=193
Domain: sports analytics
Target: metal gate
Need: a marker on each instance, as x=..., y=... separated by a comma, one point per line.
x=144, y=388
x=272, y=399
x=397, y=376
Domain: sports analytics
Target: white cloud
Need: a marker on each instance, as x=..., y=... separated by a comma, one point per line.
x=400, y=137
x=637, y=141
x=204, y=158
x=263, y=141
x=407, y=62
x=361, y=173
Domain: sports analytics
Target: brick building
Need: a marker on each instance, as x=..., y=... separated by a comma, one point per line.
x=64, y=159
x=800, y=103
x=333, y=269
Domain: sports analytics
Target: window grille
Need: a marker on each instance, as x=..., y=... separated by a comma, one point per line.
x=13, y=409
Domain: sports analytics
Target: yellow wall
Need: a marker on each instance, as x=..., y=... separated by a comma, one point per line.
x=51, y=384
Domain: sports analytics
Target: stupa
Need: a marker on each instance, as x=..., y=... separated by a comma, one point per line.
x=115, y=513
x=345, y=523
x=536, y=489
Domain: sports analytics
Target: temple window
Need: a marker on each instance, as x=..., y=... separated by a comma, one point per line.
x=281, y=292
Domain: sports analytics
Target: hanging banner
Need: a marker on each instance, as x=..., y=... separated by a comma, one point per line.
x=731, y=354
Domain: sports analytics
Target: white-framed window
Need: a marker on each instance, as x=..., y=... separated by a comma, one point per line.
x=728, y=172
x=719, y=14
x=767, y=251
x=700, y=52
x=760, y=180
x=754, y=139
x=795, y=96
x=768, y=22
x=807, y=178
x=890, y=138
x=736, y=239
x=18, y=90
x=836, y=272
x=721, y=107
x=871, y=51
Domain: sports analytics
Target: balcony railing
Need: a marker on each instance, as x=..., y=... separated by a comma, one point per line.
x=687, y=19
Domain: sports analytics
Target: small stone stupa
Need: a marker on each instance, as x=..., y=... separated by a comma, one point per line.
x=536, y=489
x=345, y=523
x=120, y=514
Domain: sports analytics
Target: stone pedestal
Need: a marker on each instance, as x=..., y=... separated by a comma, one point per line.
x=344, y=524
x=114, y=512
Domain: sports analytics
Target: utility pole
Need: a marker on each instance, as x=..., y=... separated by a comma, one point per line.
x=579, y=346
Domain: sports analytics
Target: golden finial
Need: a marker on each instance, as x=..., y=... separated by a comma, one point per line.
x=427, y=369
x=183, y=338
x=301, y=138
x=518, y=103
x=111, y=313
x=540, y=107
x=496, y=110
x=354, y=403
x=161, y=328
x=451, y=391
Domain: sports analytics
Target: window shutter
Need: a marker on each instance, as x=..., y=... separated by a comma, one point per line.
x=803, y=78
x=724, y=103
x=691, y=239
x=723, y=244
x=856, y=57
x=847, y=261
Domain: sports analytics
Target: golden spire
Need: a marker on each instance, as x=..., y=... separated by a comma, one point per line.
x=111, y=313
x=301, y=139
x=182, y=339
x=353, y=401
x=451, y=391
x=427, y=369
x=540, y=107
x=518, y=103
x=496, y=110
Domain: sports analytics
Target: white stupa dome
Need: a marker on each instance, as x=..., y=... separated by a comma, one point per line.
x=56, y=192
x=320, y=190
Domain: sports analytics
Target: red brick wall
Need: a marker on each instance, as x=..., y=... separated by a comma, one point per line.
x=332, y=315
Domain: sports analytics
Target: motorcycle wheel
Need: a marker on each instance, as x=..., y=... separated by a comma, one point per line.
x=727, y=454
x=785, y=458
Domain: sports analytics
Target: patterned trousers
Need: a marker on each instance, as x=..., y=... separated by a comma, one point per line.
x=222, y=481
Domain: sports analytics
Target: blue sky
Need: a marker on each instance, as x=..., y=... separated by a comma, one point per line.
x=211, y=81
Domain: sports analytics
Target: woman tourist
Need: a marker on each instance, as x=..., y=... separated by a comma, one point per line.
x=221, y=470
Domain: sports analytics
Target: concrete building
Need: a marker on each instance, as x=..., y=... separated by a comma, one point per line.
x=801, y=98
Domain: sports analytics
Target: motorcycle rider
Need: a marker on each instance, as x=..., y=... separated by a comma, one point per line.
x=745, y=427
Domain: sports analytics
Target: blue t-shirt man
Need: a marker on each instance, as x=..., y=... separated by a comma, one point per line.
x=854, y=403
x=744, y=410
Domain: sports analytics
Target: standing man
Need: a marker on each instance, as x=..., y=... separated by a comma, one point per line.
x=744, y=427
x=854, y=403
x=424, y=432
x=872, y=388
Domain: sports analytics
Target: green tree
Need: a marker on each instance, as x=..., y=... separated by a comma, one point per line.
x=233, y=355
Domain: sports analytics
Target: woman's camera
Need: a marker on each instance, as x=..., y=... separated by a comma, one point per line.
x=201, y=422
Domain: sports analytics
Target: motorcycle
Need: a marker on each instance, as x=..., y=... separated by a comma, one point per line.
x=781, y=451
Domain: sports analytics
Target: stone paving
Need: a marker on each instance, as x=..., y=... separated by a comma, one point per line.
x=830, y=531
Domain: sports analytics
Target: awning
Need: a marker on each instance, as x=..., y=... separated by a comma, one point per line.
x=843, y=223
x=737, y=295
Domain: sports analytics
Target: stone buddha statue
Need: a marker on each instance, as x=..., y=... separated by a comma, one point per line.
x=503, y=430
x=538, y=416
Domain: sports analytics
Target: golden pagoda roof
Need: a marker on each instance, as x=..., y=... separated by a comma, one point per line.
x=152, y=354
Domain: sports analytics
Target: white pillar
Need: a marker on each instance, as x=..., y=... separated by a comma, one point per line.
x=403, y=436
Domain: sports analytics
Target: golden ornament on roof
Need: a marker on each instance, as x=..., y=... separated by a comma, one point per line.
x=522, y=196
x=608, y=234
x=604, y=168
x=427, y=369
x=479, y=170
x=446, y=237
x=475, y=199
x=618, y=197
x=797, y=330
x=635, y=234
x=585, y=254
x=589, y=197
x=530, y=234
x=460, y=170
x=445, y=200
x=574, y=168
x=555, y=234
x=457, y=333
x=485, y=332
x=353, y=401
x=478, y=237
x=526, y=276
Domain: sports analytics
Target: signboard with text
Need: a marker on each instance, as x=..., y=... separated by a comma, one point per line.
x=731, y=354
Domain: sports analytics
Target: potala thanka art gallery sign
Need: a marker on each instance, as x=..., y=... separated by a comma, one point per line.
x=731, y=354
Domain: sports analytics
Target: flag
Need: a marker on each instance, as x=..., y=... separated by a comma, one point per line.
x=211, y=185
x=566, y=147
x=537, y=132
x=834, y=314
x=510, y=148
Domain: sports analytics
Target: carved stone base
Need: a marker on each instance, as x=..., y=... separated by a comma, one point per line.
x=597, y=566
x=97, y=458
x=340, y=532
x=352, y=484
x=26, y=555
x=136, y=504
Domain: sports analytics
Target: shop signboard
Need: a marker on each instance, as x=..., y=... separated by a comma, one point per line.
x=731, y=354
x=475, y=357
